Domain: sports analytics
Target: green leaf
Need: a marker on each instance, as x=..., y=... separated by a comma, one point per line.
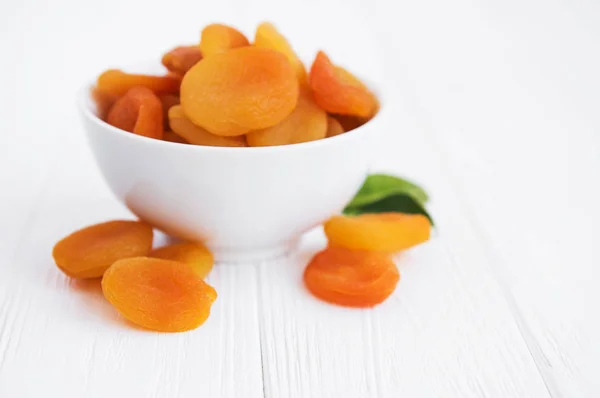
x=379, y=186
x=398, y=203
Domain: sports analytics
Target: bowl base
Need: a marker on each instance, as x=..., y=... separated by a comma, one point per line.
x=237, y=256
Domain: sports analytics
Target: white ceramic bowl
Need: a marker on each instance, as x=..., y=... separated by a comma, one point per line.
x=243, y=203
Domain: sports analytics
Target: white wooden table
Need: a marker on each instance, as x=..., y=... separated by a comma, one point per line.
x=497, y=114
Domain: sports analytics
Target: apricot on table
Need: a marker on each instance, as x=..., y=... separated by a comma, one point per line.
x=160, y=295
x=243, y=89
x=88, y=252
x=267, y=36
x=217, y=38
x=337, y=91
x=385, y=232
x=307, y=122
x=117, y=82
x=353, y=278
x=180, y=59
x=196, y=135
x=194, y=254
x=139, y=111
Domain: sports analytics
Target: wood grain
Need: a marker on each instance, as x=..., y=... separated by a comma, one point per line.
x=448, y=320
x=493, y=107
x=524, y=162
x=74, y=342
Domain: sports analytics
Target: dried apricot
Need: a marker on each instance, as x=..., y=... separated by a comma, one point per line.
x=88, y=252
x=350, y=122
x=104, y=101
x=160, y=295
x=172, y=137
x=385, y=232
x=139, y=111
x=194, y=254
x=307, y=122
x=180, y=59
x=337, y=91
x=217, y=38
x=267, y=36
x=239, y=90
x=353, y=278
x=196, y=135
x=117, y=82
x=167, y=101
x=333, y=127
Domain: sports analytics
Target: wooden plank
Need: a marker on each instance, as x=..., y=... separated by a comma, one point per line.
x=446, y=331
x=60, y=337
x=514, y=117
x=75, y=344
x=487, y=82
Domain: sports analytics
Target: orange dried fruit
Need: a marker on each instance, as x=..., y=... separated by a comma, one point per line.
x=88, y=252
x=350, y=122
x=338, y=91
x=139, y=111
x=194, y=254
x=307, y=122
x=385, y=232
x=353, y=278
x=168, y=101
x=217, y=38
x=196, y=135
x=117, y=82
x=267, y=36
x=104, y=101
x=333, y=127
x=240, y=90
x=180, y=59
x=172, y=137
x=160, y=295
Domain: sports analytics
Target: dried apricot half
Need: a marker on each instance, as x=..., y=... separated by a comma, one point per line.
x=333, y=127
x=267, y=36
x=217, y=38
x=243, y=89
x=350, y=122
x=167, y=101
x=180, y=59
x=139, y=111
x=194, y=254
x=88, y=252
x=104, y=101
x=307, y=122
x=160, y=295
x=117, y=82
x=172, y=137
x=385, y=232
x=353, y=278
x=196, y=135
x=338, y=91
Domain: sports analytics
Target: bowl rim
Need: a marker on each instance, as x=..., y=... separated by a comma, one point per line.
x=84, y=100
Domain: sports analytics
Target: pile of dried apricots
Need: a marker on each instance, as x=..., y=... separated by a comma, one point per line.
x=164, y=289
x=161, y=289
x=356, y=268
x=226, y=91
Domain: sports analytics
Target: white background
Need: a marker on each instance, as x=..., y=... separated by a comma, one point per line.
x=496, y=112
